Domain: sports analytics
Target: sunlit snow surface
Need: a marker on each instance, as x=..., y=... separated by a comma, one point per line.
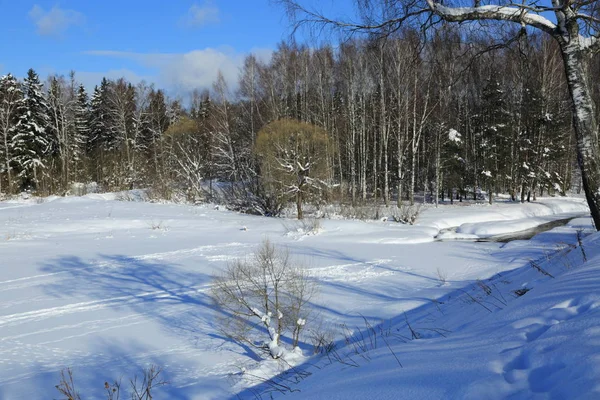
x=108, y=287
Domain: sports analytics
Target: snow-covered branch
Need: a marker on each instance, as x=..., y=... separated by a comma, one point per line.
x=515, y=14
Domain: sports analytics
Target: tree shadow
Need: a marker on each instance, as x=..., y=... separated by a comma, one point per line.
x=177, y=299
x=143, y=286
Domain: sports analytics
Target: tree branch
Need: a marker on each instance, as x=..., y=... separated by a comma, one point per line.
x=493, y=12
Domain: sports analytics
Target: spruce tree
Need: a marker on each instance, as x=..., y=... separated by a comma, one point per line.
x=30, y=144
x=81, y=123
x=494, y=135
x=101, y=130
x=156, y=119
x=95, y=120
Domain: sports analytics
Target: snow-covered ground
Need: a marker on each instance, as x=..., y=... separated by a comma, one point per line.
x=483, y=341
x=108, y=287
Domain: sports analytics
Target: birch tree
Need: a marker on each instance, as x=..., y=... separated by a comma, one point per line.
x=11, y=97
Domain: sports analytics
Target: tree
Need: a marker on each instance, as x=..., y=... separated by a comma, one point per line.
x=31, y=143
x=81, y=124
x=11, y=97
x=65, y=141
x=100, y=129
x=98, y=111
x=223, y=140
x=575, y=29
x=188, y=155
x=293, y=159
x=154, y=121
x=264, y=297
x=122, y=110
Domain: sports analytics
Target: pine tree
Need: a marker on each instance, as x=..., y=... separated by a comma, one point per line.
x=30, y=144
x=11, y=97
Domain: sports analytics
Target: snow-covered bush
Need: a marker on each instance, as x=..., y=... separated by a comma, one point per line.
x=81, y=188
x=407, y=213
x=257, y=203
x=306, y=226
x=264, y=299
x=361, y=212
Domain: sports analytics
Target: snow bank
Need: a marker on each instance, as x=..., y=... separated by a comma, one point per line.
x=484, y=220
x=541, y=343
x=495, y=228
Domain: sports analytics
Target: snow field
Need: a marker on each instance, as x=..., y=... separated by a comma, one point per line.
x=108, y=287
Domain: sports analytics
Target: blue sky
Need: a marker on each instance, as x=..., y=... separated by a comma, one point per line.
x=178, y=44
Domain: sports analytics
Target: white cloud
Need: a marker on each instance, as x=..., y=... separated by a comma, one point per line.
x=56, y=21
x=180, y=73
x=91, y=79
x=201, y=15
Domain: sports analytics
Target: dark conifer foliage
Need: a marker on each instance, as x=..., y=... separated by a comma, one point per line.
x=32, y=140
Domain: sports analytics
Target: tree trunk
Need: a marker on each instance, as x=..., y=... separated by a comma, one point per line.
x=584, y=123
x=299, y=204
x=437, y=169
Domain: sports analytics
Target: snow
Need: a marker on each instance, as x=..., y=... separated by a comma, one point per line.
x=88, y=282
x=502, y=217
x=514, y=14
x=544, y=344
x=585, y=42
x=454, y=136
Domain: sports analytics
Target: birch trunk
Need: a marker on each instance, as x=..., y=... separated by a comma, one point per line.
x=585, y=125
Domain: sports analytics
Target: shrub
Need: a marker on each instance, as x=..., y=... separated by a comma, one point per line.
x=263, y=299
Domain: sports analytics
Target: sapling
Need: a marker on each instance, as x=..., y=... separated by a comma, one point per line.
x=263, y=299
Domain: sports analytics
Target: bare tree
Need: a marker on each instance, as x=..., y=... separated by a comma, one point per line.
x=122, y=108
x=263, y=299
x=575, y=29
x=187, y=155
x=10, y=97
x=224, y=150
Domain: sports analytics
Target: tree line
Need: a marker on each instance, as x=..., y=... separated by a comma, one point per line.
x=407, y=117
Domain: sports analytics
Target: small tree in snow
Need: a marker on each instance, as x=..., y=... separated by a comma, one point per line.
x=264, y=299
x=293, y=159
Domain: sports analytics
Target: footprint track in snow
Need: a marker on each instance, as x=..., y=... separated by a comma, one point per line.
x=519, y=368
